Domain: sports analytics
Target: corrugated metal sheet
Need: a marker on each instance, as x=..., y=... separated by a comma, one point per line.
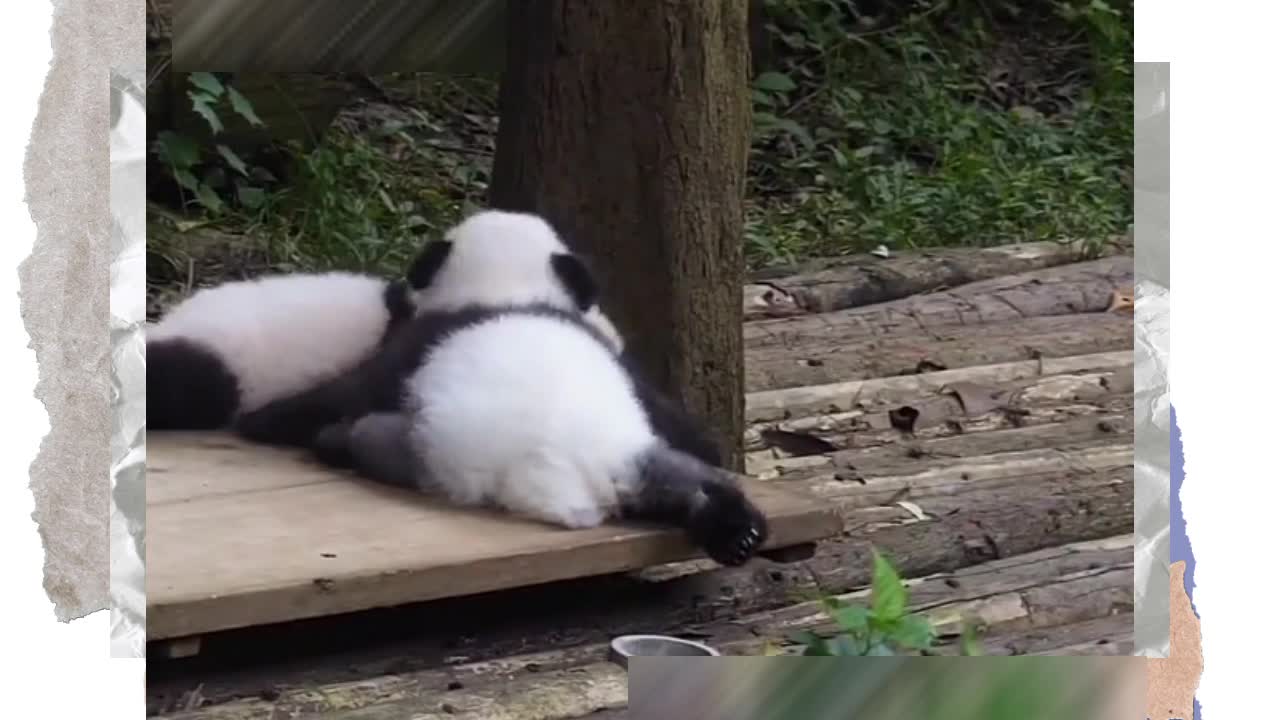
x=371, y=36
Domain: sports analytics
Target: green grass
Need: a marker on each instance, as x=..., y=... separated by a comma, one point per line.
x=946, y=123
x=954, y=124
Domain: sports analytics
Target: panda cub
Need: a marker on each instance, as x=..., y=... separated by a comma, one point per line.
x=507, y=392
x=492, y=260
x=231, y=349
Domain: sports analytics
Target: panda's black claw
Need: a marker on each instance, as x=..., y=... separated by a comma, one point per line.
x=332, y=446
x=728, y=526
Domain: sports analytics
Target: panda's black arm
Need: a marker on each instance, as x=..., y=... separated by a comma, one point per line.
x=296, y=419
x=373, y=386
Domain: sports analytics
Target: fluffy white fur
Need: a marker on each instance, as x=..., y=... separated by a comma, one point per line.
x=503, y=258
x=284, y=333
x=529, y=413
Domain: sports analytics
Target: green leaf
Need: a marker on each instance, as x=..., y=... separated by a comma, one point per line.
x=774, y=82
x=880, y=650
x=200, y=103
x=177, y=150
x=969, y=645
x=819, y=648
x=207, y=82
x=251, y=197
x=813, y=644
x=186, y=179
x=845, y=646
x=851, y=619
x=209, y=199
x=243, y=107
x=915, y=632
x=888, y=596
x=798, y=132
x=233, y=160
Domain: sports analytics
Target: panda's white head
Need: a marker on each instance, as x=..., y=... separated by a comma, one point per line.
x=496, y=258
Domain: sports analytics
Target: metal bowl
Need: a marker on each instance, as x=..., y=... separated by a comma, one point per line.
x=628, y=646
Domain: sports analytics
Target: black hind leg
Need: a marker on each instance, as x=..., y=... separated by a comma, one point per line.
x=675, y=488
x=188, y=387
x=295, y=420
x=671, y=422
x=375, y=446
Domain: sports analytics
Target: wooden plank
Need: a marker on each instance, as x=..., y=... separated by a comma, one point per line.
x=827, y=359
x=559, y=684
x=294, y=543
x=1043, y=402
x=1027, y=515
x=550, y=694
x=1064, y=290
x=1070, y=433
x=845, y=396
x=828, y=284
x=187, y=467
x=954, y=478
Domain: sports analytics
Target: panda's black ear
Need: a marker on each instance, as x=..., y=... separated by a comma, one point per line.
x=428, y=263
x=577, y=279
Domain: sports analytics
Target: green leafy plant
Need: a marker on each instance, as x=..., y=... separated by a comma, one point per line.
x=884, y=628
x=950, y=122
x=190, y=164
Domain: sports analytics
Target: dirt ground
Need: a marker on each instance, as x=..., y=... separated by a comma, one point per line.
x=1006, y=497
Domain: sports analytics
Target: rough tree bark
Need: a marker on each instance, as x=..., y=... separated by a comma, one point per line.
x=627, y=124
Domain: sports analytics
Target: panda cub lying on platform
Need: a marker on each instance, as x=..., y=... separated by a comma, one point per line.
x=509, y=388
x=230, y=349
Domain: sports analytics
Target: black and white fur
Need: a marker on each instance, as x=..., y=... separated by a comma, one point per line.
x=233, y=348
x=514, y=394
x=496, y=259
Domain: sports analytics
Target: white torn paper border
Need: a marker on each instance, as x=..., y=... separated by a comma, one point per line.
x=128, y=362
x=1151, y=360
x=64, y=294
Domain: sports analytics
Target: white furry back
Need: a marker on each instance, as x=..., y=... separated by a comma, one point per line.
x=283, y=333
x=530, y=413
x=498, y=258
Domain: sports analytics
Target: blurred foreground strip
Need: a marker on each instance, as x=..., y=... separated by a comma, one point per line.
x=369, y=36
x=921, y=688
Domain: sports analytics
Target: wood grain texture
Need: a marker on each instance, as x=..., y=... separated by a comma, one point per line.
x=627, y=125
x=1018, y=599
x=829, y=284
x=1063, y=290
x=242, y=535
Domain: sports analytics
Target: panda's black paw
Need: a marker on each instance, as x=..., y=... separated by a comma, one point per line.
x=332, y=445
x=272, y=424
x=728, y=526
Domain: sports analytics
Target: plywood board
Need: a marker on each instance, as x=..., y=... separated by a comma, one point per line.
x=241, y=535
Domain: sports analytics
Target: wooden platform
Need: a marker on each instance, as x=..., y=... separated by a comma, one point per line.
x=1009, y=504
x=242, y=535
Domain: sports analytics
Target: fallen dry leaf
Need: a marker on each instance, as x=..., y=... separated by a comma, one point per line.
x=904, y=418
x=914, y=509
x=765, y=300
x=927, y=366
x=796, y=443
x=977, y=399
x=1121, y=300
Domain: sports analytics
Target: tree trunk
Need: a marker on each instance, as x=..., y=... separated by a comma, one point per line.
x=626, y=124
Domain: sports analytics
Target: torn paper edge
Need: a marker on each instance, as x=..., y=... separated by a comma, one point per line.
x=64, y=282
x=1151, y=358
x=128, y=362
